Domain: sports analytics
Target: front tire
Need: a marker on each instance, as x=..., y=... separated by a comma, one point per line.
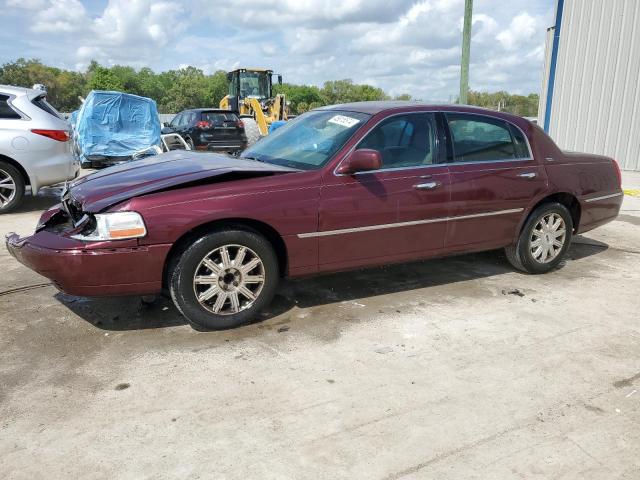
x=251, y=130
x=224, y=278
x=11, y=187
x=544, y=240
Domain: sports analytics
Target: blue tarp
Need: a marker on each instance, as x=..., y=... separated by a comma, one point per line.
x=116, y=124
x=73, y=118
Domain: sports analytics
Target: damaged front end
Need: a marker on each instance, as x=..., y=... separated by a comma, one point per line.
x=72, y=221
x=77, y=252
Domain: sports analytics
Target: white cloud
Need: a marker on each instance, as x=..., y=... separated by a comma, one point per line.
x=60, y=16
x=402, y=46
x=521, y=30
x=132, y=31
x=26, y=4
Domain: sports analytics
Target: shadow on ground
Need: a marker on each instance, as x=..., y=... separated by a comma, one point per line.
x=132, y=313
x=46, y=198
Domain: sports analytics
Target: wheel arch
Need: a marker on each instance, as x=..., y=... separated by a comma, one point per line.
x=262, y=228
x=17, y=166
x=567, y=199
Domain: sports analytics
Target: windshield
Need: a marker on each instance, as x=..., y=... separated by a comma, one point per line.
x=254, y=84
x=309, y=141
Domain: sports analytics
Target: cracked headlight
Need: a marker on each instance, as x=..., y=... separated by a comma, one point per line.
x=113, y=226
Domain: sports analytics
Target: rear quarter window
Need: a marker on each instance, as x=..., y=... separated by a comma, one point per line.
x=6, y=112
x=42, y=104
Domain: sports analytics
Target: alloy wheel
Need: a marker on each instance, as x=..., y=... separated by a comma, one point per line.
x=7, y=188
x=229, y=279
x=547, y=238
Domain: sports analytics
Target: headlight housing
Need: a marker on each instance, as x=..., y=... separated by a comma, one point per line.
x=113, y=226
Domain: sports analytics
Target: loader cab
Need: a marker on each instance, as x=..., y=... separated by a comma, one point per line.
x=251, y=83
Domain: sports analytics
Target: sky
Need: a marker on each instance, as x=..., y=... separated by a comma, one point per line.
x=402, y=46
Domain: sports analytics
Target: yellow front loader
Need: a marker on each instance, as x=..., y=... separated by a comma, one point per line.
x=251, y=96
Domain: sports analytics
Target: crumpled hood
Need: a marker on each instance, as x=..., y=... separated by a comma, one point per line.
x=113, y=185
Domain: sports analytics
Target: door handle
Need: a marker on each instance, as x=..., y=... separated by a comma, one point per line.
x=529, y=175
x=427, y=186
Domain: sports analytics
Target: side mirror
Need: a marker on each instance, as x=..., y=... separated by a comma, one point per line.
x=164, y=124
x=363, y=160
x=280, y=79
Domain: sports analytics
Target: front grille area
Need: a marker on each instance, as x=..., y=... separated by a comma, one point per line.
x=72, y=207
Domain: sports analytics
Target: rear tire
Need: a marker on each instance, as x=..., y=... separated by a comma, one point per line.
x=251, y=130
x=224, y=278
x=544, y=240
x=11, y=187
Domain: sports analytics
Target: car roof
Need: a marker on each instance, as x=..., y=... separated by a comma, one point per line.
x=375, y=107
x=12, y=90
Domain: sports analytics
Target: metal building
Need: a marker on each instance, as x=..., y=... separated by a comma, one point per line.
x=590, y=97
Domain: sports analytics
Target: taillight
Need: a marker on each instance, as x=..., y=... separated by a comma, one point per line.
x=203, y=124
x=59, y=135
x=239, y=124
x=617, y=167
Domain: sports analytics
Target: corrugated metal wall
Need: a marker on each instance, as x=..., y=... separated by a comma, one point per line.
x=596, y=101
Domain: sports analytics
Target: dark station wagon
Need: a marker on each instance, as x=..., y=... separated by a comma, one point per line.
x=338, y=188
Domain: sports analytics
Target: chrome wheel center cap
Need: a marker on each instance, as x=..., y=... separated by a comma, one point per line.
x=230, y=279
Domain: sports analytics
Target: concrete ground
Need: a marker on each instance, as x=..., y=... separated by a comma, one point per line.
x=457, y=368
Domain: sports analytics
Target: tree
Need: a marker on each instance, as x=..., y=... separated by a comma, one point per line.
x=516, y=104
x=104, y=79
x=189, y=90
x=63, y=86
x=189, y=87
x=299, y=95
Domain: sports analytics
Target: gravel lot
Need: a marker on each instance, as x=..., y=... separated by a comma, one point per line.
x=454, y=368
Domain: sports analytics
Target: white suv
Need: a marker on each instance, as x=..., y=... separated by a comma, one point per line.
x=35, y=150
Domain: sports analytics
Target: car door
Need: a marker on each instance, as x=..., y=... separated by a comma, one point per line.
x=494, y=176
x=187, y=124
x=175, y=123
x=393, y=213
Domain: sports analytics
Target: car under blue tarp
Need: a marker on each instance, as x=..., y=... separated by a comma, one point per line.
x=113, y=126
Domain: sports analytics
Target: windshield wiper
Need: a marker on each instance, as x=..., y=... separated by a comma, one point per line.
x=256, y=159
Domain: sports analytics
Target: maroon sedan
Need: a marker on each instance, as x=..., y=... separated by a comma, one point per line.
x=337, y=188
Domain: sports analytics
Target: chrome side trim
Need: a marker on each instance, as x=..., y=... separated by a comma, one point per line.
x=604, y=197
x=406, y=224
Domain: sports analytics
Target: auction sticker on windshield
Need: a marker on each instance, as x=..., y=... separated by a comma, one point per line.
x=343, y=121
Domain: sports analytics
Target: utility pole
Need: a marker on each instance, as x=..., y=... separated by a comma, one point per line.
x=466, y=52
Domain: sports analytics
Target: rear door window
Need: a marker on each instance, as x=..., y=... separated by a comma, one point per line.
x=477, y=138
x=6, y=112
